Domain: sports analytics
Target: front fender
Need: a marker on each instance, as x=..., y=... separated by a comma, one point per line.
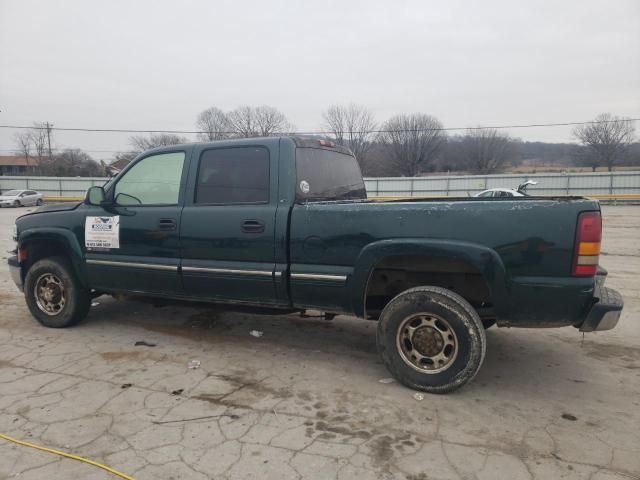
x=64, y=237
x=486, y=260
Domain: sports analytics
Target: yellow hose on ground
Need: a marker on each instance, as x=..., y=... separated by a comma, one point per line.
x=67, y=455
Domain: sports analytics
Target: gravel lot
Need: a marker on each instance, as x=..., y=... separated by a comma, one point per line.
x=305, y=400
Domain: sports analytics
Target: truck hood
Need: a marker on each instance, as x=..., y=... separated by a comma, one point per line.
x=56, y=207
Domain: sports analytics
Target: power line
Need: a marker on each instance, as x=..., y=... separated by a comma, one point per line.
x=123, y=130
x=59, y=149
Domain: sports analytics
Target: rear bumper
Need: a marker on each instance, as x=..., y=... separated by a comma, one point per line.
x=605, y=313
x=16, y=271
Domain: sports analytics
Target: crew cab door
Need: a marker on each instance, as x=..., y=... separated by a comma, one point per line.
x=139, y=250
x=228, y=223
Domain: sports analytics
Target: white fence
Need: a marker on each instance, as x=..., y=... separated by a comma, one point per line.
x=52, y=186
x=588, y=184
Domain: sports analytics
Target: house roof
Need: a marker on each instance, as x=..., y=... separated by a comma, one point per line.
x=17, y=161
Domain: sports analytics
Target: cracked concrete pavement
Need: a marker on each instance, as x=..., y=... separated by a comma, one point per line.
x=305, y=400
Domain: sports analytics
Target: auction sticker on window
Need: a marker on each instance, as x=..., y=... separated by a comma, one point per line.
x=102, y=232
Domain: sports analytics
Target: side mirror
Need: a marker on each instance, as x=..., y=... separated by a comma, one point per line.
x=95, y=196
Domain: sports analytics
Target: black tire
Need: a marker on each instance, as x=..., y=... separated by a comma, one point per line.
x=75, y=303
x=16, y=203
x=39, y=202
x=444, y=308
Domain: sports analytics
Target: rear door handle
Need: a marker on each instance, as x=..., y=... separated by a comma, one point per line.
x=252, y=226
x=167, y=224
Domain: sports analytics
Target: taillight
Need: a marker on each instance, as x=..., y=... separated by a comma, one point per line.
x=587, y=248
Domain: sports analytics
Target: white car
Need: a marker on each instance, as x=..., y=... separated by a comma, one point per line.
x=500, y=192
x=507, y=192
x=19, y=198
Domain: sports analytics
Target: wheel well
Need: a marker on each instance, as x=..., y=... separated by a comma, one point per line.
x=39, y=249
x=396, y=274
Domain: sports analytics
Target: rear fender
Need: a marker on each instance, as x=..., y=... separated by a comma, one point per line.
x=484, y=259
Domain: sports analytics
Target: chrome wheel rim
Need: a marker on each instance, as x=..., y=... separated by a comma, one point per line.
x=427, y=343
x=50, y=294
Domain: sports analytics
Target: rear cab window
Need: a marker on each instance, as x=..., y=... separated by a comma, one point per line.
x=325, y=174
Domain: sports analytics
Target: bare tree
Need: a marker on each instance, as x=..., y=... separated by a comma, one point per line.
x=23, y=140
x=352, y=127
x=214, y=124
x=243, y=122
x=486, y=150
x=38, y=136
x=271, y=122
x=262, y=121
x=140, y=143
x=607, y=138
x=33, y=140
x=413, y=142
x=72, y=162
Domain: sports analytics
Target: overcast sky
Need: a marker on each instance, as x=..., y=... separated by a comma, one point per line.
x=155, y=64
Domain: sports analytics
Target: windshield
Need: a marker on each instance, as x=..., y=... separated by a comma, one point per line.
x=327, y=175
x=13, y=193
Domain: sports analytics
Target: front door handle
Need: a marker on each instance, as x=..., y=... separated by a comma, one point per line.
x=252, y=226
x=167, y=224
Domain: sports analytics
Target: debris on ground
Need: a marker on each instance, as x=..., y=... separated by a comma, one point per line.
x=418, y=396
x=178, y=391
x=386, y=380
x=162, y=422
x=126, y=385
x=568, y=416
x=256, y=333
x=193, y=364
x=143, y=343
x=95, y=304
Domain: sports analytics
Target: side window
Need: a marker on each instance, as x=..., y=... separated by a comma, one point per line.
x=486, y=194
x=154, y=180
x=233, y=175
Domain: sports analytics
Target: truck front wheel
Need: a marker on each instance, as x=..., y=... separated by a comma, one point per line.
x=431, y=339
x=53, y=294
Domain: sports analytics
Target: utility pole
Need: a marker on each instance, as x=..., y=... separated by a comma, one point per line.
x=49, y=127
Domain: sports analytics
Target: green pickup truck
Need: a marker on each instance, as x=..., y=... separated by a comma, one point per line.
x=284, y=225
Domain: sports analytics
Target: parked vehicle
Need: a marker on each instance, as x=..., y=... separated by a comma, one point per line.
x=279, y=225
x=21, y=198
x=507, y=192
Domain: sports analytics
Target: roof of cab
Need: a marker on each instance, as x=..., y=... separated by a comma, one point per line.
x=298, y=141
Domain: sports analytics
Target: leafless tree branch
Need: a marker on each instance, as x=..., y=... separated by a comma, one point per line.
x=414, y=141
x=214, y=124
x=606, y=142
x=351, y=126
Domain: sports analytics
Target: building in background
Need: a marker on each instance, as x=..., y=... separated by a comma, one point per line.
x=18, y=165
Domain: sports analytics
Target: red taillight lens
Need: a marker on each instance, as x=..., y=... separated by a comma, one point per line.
x=587, y=247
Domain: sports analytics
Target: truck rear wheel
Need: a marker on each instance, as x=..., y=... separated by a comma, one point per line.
x=53, y=294
x=431, y=339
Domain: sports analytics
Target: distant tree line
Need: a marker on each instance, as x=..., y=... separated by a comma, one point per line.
x=35, y=146
x=403, y=145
